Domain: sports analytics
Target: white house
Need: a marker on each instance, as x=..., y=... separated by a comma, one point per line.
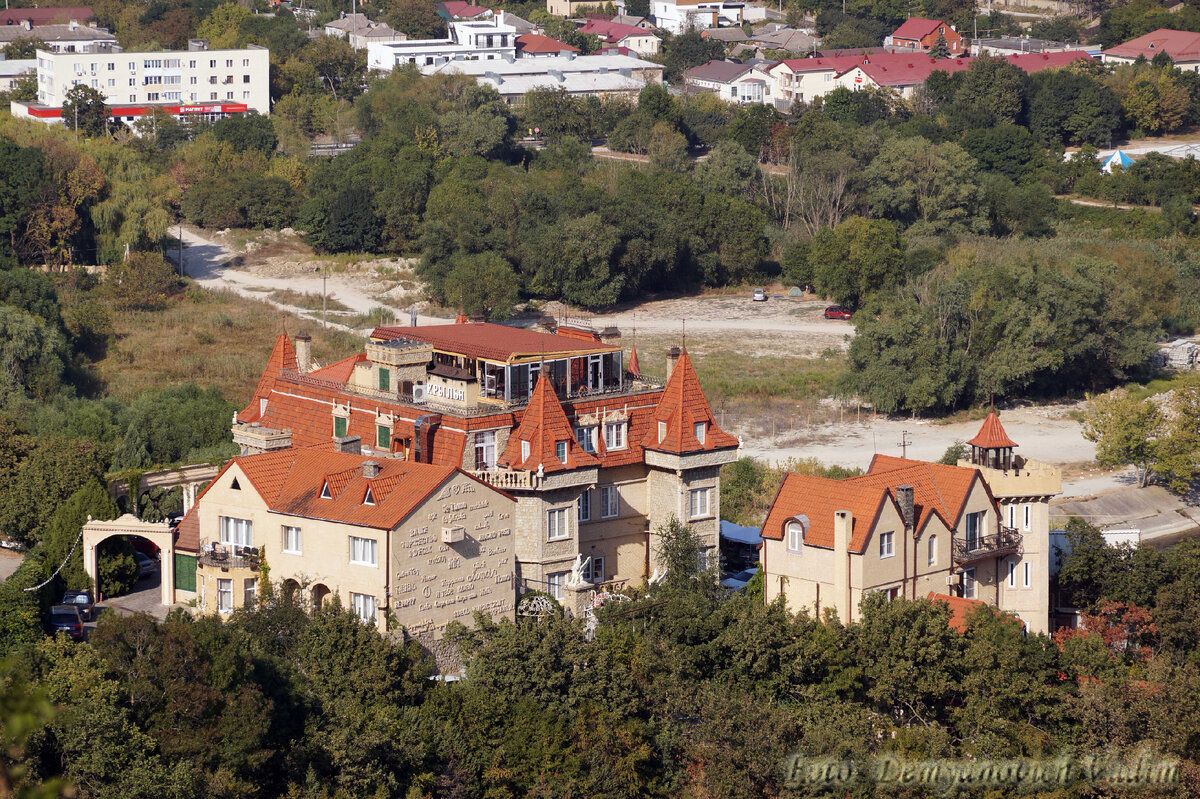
x=580, y=76
x=10, y=71
x=360, y=31
x=680, y=16
x=741, y=84
x=186, y=83
x=484, y=40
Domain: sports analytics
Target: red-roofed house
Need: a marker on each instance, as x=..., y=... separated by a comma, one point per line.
x=899, y=72
x=597, y=457
x=534, y=45
x=430, y=542
x=456, y=10
x=615, y=34
x=905, y=528
x=922, y=34
x=1182, y=46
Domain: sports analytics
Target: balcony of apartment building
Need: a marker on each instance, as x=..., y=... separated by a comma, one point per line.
x=508, y=479
x=974, y=546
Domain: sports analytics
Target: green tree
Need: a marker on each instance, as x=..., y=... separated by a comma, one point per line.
x=857, y=257
x=933, y=186
x=83, y=110
x=90, y=502
x=54, y=469
x=1125, y=430
x=940, y=49
x=668, y=149
x=143, y=282
x=482, y=283
x=679, y=550
x=223, y=26
x=416, y=18
x=24, y=48
x=245, y=132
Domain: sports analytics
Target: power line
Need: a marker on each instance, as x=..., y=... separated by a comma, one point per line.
x=60, y=566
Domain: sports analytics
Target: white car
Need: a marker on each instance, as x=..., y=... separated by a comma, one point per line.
x=759, y=295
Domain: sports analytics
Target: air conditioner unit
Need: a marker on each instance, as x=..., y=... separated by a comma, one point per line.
x=951, y=579
x=420, y=392
x=453, y=535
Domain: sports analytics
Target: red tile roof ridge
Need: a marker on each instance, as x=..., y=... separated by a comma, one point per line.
x=543, y=426
x=991, y=434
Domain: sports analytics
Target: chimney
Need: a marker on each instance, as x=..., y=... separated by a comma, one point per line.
x=423, y=429
x=672, y=357
x=27, y=24
x=303, y=352
x=904, y=498
x=73, y=25
x=371, y=470
x=843, y=525
x=351, y=445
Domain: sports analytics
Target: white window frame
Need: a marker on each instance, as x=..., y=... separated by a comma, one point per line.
x=969, y=585
x=485, y=449
x=236, y=532
x=610, y=502
x=524, y=450
x=699, y=503
x=556, y=524
x=225, y=595
x=363, y=606
x=560, y=450
x=931, y=551
x=364, y=551
x=586, y=438
x=249, y=591
x=615, y=437
x=795, y=538
x=585, y=506
x=293, y=540
x=887, y=544
x=700, y=430
x=662, y=430
x=555, y=582
x=594, y=573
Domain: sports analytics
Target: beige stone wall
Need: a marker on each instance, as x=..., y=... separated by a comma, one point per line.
x=882, y=573
x=435, y=583
x=620, y=540
x=1031, y=602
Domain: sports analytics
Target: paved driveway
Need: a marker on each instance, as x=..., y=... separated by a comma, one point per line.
x=9, y=561
x=144, y=598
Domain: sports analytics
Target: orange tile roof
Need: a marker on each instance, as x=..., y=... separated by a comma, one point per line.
x=493, y=342
x=819, y=498
x=936, y=488
x=991, y=435
x=959, y=608
x=448, y=447
x=339, y=371
x=633, y=367
x=290, y=482
x=543, y=426
x=682, y=406
x=283, y=356
x=536, y=43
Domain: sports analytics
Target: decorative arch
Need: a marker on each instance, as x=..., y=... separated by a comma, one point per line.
x=159, y=533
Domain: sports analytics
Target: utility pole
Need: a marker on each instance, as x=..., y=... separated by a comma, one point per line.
x=324, y=294
x=182, y=271
x=904, y=442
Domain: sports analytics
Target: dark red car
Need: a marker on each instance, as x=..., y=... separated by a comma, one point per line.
x=837, y=312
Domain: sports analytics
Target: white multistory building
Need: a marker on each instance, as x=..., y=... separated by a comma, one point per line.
x=196, y=82
x=483, y=40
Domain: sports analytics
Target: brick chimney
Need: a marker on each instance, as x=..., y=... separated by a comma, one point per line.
x=672, y=357
x=371, y=470
x=904, y=498
x=351, y=445
x=303, y=352
x=843, y=525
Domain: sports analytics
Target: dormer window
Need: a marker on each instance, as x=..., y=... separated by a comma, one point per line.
x=662, y=431
x=368, y=498
x=795, y=537
x=524, y=450
x=614, y=435
x=325, y=491
x=586, y=436
x=698, y=430
x=560, y=450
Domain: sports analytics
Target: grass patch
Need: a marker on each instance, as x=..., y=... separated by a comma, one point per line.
x=309, y=302
x=205, y=337
x=1163, y=384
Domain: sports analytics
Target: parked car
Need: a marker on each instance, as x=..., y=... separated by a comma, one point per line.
x=738, y=581
x=837, y=312
x=4, y=542
x=143, y=545
x=759, y=295
x=65, y=619
x=146, y=564
x=81, y=600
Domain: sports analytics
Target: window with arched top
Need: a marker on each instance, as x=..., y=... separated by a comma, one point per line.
x=932, y=545
x=795, y=537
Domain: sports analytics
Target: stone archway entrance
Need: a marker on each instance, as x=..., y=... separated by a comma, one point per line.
x=96, y=532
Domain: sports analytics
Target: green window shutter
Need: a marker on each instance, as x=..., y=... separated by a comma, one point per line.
x=385, y=379
x=339, y=426
x=383, y=437
x=185, y=572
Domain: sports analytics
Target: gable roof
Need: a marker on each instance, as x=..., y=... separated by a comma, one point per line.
x=937, y=489
x=462, y=10
x=543, y=427
x=46, y=16
x=339, y=371
x=899, y=69
x=681, y=407
x=290, y=481
x=991, y=434
x=917, y=28
x=613, y=32
x=1180, y=45
x=717, y=71
x=819, y=498
x=536, y=43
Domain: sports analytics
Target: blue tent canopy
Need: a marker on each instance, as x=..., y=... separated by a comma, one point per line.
x=1117, y=160
x=742, y=535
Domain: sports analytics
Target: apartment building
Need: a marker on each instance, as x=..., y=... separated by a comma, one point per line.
x=596, y=454
x=193, y=82
x=419, y=543
x=910, y=528
x=488, y=39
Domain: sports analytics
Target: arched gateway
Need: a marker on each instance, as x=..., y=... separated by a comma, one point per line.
x=159, y=533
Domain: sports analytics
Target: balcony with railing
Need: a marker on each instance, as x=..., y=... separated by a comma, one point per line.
x=228, y=556
x=508, y=479
x=970, y=549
